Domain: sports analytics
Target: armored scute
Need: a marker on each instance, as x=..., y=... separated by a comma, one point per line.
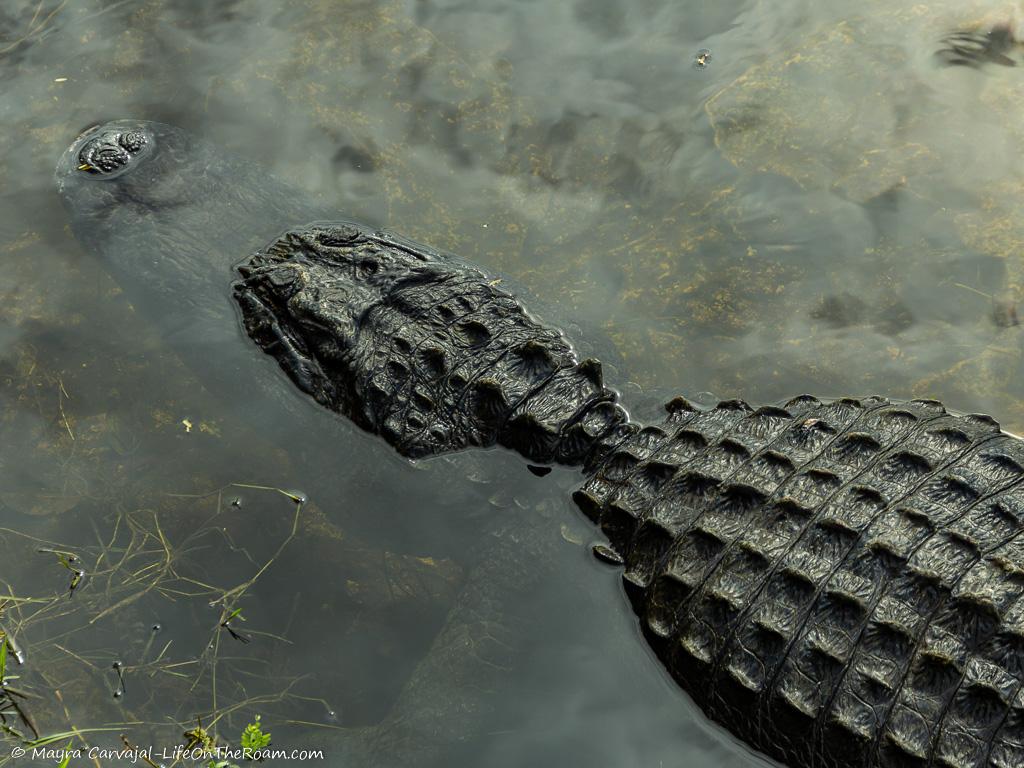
x=837, y=583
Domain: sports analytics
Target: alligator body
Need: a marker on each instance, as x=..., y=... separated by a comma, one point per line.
x=837, y=583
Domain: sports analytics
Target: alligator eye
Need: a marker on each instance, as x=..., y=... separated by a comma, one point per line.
x=283, y=279
x=368, y=267
x=133, y=141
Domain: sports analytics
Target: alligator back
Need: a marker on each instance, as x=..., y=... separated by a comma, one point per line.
x=837, y=583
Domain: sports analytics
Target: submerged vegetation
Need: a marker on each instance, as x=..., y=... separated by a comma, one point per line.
x=137, y=561
x=130, y=605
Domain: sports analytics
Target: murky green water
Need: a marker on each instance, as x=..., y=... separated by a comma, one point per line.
x=820, y=209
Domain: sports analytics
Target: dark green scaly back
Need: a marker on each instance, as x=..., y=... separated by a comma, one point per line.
x=836, y=583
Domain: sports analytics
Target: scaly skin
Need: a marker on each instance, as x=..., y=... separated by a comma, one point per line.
x=419, y=348
x=837, y=583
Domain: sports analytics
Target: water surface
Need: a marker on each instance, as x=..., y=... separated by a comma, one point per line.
x=821, y=209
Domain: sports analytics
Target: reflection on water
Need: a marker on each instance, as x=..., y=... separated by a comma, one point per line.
x=820, y=208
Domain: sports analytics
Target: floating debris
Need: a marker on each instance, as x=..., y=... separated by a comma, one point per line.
x=226, y=624
x=70, y=561
x=569, y=536
x=972, y=48
x=702, y=59
x=10, y=642
x=119, y=668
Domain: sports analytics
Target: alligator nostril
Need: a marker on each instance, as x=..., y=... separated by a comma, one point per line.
x=108, y=151
x=99, y=156
x=133, y=141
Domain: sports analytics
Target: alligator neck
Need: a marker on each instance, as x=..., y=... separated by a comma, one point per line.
x=571, y=419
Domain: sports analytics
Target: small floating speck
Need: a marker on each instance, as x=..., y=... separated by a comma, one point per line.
x=569, y=536
x=702, y=59
x=187, y=424
x=60, y=79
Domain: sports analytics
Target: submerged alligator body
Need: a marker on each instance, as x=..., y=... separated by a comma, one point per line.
x=838, y=583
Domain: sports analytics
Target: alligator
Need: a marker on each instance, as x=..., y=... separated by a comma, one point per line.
x=837, y=582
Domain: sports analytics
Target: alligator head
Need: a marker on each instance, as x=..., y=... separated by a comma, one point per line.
x=419, y=347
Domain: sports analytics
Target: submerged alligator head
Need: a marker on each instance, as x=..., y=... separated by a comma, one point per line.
x=407, y=342
x=840, y=584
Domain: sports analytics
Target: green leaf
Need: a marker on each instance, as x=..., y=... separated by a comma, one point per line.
x=3, y=657
x=253, y=736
